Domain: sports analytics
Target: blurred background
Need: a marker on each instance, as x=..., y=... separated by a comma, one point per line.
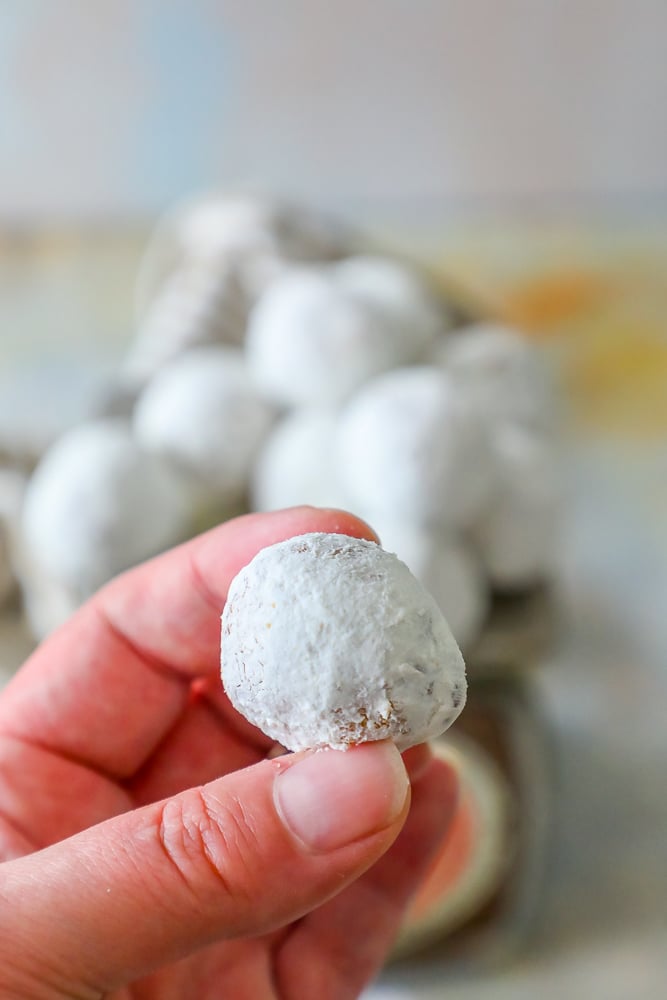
x=519, y=149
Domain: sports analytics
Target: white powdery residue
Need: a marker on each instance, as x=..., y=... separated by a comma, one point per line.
x=98, y=504
x=202, y=412
x=401, y=293
x=254, y=238
x=294, y=465
x=446, y=564
x=502, y=373
x=329, y=640
x=199, y=304
x=517, y=533
x=411, y=445
x=310, y=342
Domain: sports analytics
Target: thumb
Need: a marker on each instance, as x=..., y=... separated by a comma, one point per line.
x=239, y=856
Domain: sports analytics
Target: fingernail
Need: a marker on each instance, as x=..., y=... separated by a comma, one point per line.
x=417, y=761
x=332, y=797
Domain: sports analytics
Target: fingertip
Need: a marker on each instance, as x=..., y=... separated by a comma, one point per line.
x=417, y=760
x=330, y=798
x=346, y=523
x=436, y=788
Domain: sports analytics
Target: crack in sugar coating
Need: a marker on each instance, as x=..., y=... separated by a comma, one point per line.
x=328, y=640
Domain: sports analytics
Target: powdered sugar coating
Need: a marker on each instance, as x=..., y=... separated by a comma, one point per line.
x=98, y=504
x=517, y=535
x=411, y=445
x=329, y=640
x=294, y=465
x=311, y=342
x=501, y=371
x=202, y=412
x=446, y=565
x=255, y=236
x=401, y=293
x=201, y=303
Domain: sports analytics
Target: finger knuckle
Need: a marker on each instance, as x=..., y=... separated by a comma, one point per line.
x=210, y=843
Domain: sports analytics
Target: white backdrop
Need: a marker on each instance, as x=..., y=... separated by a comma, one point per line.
x=118, y=107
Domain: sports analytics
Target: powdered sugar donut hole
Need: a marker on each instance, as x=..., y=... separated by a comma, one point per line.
x=255, y=236
x=401, y=293
x=446, y=565
x=294, y=465
x=202, y=412
x=201, y=303
x=329, y=640
x=517, y=534
x=410, y=444
x=501, y=371
x=311, y=342
x=98, y=504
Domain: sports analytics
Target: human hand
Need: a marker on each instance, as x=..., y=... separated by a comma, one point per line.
x=152, y=850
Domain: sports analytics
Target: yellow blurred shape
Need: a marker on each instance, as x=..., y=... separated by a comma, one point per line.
x=616, y=377
x=549, y=300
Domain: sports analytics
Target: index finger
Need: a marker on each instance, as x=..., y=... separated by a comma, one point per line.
x=106, y=688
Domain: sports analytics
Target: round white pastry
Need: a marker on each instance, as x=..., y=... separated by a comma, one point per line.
x=401, y=293
x=251, y=226
x=498, y=368
x=410, y=444
x=97, y=504
x=517, y=533
x=256, y=237
x=202, y=412
x=311, y=343
x=294, y=465
x=201, y=303
x=449, y=569
x=329, y=640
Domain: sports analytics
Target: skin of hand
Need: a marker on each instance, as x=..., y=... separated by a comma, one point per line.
x=153, y=846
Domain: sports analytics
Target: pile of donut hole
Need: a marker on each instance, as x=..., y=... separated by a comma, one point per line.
x=277, y=362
